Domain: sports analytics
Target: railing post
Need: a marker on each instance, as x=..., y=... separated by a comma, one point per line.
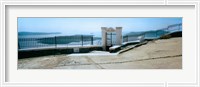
x=126, y=38
x=82, y=39
x=92, y=40
x=18, y=45
x=55, y=42
x=111, y=38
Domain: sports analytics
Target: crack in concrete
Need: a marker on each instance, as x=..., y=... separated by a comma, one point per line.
x=93, y=63
x=98, y=64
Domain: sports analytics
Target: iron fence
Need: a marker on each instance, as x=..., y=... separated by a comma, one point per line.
x=57, y=41
x=152, y=34
x=87, y=40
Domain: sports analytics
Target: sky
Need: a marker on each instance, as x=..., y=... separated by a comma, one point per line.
x=72, y=26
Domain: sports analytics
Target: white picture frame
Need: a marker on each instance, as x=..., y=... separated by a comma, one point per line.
x=3, y=52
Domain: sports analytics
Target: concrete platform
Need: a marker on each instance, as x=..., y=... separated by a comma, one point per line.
x=158, y=54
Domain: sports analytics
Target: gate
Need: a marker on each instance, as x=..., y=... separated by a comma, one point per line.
x=110, y=39
x=111, y=36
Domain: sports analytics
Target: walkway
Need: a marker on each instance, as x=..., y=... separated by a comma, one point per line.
x=158, y=54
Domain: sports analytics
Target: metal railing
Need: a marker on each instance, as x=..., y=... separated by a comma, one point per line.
x=57, y=41
x=152, y=34
x=88, y=40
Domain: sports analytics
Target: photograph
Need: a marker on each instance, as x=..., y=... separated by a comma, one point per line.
x=99, y=42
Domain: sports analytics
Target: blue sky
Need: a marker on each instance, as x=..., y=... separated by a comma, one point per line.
x=71, y=26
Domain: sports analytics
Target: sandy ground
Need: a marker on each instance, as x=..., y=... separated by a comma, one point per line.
x=158, y=54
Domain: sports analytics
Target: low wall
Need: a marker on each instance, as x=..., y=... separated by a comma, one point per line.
x=55, y=51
